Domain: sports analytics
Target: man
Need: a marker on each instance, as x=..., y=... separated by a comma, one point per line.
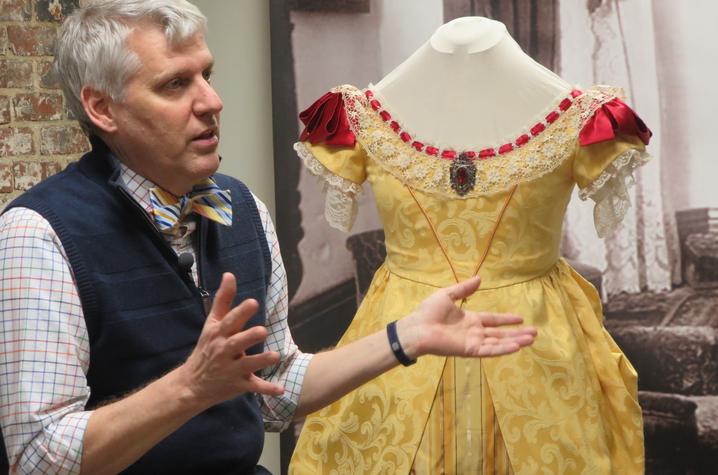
x=108, y=359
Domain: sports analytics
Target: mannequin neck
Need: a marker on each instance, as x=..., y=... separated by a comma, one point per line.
x=467, y=35
x=469, y=85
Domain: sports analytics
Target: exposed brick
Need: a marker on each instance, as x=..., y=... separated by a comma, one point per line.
x=3, y=41
x=54, y=10
x=68, y=113
x=15, y=73
x=6, y=182
x=4, y=109
x=32, y=40
x=40, y=106
x=62, y=140
x=48, y=79
x=50, y=168
x=14, y=10
x=16, y=141
x=27, y=174
x=5, y=200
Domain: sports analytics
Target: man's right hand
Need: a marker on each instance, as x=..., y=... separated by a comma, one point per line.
x=218, y=369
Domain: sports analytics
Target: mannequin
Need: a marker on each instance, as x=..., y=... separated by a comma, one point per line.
x=472, y=150
x=477, y=83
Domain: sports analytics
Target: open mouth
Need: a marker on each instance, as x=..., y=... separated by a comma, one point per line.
x=206, y=135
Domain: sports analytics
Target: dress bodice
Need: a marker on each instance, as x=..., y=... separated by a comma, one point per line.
x=437, y=241
x=502, y=218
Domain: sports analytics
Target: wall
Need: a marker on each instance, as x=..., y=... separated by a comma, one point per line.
x=37, y=137
x=339, y=48
x=687, y=60
x=238, y=37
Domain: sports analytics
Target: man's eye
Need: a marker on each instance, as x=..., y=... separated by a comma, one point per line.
x=207, y=75
x=176, y=83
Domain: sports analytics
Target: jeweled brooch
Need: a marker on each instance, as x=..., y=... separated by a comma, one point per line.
x=462, y=174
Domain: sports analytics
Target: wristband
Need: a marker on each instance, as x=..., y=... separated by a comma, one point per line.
x=396, y=346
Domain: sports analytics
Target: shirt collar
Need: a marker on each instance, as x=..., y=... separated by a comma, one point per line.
x=137, y=186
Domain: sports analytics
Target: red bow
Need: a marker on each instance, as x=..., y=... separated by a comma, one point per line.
x=613, y=116
x=326, y=121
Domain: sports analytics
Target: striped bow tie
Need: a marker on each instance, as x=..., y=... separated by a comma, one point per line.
x=205, y=199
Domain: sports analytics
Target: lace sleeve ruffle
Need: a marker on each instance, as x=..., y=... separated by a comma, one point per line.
x=340, y=206
x=610, y=191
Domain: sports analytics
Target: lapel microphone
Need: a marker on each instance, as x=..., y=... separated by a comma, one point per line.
x=185, y=261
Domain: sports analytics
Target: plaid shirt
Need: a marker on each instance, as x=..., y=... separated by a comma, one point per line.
x=45, y=351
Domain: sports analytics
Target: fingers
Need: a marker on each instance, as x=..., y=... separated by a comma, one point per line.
x=265, y=387
x=253, y=363
x=248, y=365
x=241, y=341
x=498, y=349
x=224, y=296
x=514, y=333
x=525, y=340
x=497, y=319
x=464, y=289
x=502, y=342
x=235, y=320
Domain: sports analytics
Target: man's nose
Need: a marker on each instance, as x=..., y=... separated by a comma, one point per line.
x=208, y=101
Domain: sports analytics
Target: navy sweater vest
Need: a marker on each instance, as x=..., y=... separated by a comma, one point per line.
x=144, y=313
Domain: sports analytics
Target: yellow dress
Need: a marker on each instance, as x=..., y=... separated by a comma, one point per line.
x=567, y=404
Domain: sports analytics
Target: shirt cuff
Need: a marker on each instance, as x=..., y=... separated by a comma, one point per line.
x=278, y=411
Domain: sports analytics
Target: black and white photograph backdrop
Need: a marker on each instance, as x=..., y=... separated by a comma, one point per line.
x=657, y=275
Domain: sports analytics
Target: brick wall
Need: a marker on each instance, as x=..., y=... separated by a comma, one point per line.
x=37, y=134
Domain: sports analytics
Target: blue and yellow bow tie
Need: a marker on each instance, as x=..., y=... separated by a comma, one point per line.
x=205, y=199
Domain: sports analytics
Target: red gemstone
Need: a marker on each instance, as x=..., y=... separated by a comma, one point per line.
x=565, y=104
x=487, y=152
x=376, y=105
x=448, y=154
x=385, y=115
x=507, y=147
x=551, y=118
x=369, y=94
x=522, y=140
x=418, y=146
x=576, y=92
x=461, y=176
x=537, y=129
x=470, y=154
x=432, y=150
x=405, y=137
x=395, y=126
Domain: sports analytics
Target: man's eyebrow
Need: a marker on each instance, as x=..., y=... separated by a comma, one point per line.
x=180, y=71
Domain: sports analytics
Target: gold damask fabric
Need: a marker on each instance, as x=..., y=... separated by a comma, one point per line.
x=566, y=405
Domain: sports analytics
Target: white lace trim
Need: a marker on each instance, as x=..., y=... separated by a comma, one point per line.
x=610, y=191
x=512, y=139
x=542, y=155
x=340, y=206
x=595, y=97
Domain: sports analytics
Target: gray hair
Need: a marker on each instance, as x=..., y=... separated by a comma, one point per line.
x=91, y=49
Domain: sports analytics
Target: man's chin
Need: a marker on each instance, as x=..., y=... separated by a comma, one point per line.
x=208, y=164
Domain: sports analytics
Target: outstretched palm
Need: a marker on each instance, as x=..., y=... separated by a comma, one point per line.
x=443, y=327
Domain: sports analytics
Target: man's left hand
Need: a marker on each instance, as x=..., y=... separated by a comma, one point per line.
x=441, y=327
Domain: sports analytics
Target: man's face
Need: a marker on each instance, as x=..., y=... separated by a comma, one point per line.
x=168, y=123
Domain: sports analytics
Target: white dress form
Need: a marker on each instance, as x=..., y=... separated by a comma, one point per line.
x=470, y=86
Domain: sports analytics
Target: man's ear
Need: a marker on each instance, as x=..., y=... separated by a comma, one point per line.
x=97, y=108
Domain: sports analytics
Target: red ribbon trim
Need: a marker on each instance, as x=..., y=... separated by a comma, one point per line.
x=326, y=121
x=613, y=116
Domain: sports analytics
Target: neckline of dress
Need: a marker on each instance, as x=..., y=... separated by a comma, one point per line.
x=448, y=153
